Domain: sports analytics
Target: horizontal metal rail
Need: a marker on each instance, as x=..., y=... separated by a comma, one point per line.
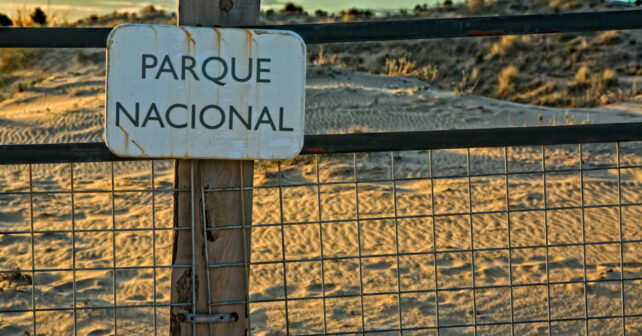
x=366, y=31
x=366, y=142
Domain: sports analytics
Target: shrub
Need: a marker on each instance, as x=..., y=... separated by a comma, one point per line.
x=358, y=12
x=320, y=13
x=291, y=8
x=419, y=9
x=149, y=11
x=353, y=13
x=38, y=16
x=5, y=20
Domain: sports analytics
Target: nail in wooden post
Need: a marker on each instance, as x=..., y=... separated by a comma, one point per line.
x=221, y=208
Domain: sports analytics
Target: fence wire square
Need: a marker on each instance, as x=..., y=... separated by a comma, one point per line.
x=525, y=241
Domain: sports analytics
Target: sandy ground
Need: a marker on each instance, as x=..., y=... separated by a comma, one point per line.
x=68, y=107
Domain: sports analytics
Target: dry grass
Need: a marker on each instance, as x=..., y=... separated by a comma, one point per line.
x=12, y=59
x=564, y=4
x=403, y=66
x=22, y=18
x=582, y=76
x=354, y=128
x=469, y=82
x=475, y=6
x=595, y=82
x=607, y=37
x=16, y=58
x=504, y=45
x=589, y=88
x=323, y=58
x=506, y=80
x=609, y=79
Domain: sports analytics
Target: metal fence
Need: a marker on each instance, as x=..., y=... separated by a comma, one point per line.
x=520, y=231
x=535, y=239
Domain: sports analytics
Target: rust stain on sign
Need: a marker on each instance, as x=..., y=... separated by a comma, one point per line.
x=250, y=35
x=126, y=134
x=218, y=39
x=139, y=147
x=189, y=36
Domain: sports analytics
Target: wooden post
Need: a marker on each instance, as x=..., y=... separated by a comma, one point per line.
x=221, y=209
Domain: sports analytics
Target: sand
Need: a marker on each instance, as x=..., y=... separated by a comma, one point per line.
x=68, y=107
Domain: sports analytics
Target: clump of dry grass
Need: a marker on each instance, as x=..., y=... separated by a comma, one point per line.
x=564, y=4
x=21, y=18
x=609, y=79
x=403, y=66
x=607, y=37
x=504, y=45
x=589, y=88
x=582, y=76
x=323, y=58
x=506, y=80
x=594, y=82
x=469, y=82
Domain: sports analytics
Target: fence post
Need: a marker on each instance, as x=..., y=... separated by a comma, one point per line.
x=220, y=209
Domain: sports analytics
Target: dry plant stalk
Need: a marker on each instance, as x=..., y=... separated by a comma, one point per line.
x=403, y=66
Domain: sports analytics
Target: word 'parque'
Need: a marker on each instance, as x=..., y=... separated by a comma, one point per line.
x=214, y=68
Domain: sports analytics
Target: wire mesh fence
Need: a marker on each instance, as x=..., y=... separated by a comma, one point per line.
x=511, y=240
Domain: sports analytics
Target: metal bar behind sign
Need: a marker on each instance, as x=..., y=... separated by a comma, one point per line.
x=366, y=142
x=365, y=31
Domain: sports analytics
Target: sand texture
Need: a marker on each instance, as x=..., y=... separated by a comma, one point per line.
x=377, y=226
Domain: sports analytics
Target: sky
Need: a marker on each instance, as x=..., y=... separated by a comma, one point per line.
x=74, y=9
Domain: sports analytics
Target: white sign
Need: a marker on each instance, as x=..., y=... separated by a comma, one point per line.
x=192, y=92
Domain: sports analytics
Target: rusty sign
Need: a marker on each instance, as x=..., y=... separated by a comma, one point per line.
x=193, y=92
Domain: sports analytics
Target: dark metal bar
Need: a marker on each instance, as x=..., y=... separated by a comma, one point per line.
x=366, y=142
x=58, y=37
x=366, y=31
x=473, y=138
x=56, y=153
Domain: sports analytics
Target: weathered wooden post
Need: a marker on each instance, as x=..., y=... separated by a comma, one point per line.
x=221, y=209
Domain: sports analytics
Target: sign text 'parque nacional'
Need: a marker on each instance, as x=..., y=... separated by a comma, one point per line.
x=193, y=92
